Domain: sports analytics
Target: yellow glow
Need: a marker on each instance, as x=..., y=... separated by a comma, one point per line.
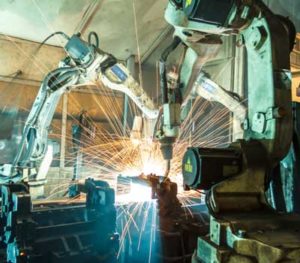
x=188, y=3
x=295, y=86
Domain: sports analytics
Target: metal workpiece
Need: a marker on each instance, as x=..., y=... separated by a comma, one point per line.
x=162, y=189
x=177, y=229
x=168, y=203
x=251, y=238
x=174, y=236
x=178, y=235
x=61, y=231
x=176, y=226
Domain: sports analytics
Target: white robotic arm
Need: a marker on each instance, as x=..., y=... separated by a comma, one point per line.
x=85, y=64
x=119, y=78
x=211, y=91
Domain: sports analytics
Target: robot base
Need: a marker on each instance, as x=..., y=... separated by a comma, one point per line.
x=260, y=237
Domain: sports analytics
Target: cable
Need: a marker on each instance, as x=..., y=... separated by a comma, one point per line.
x=163, y=68
x=177, y=3
x=94, y=35
x=50, y=36
x=14, y=75
x=54, y=34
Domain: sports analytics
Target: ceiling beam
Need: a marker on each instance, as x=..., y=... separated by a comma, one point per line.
x=156, y=43
x=88, y=16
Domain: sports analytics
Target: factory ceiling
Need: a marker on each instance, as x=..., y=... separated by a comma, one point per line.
x=114, y=21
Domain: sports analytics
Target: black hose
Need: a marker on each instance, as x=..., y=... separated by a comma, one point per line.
x=109, y=62
x=94, y=35
x=54, y=34
x=163, y=82
x=58, y=81
x=170, y=48
x=177, y=3
x=163, y=68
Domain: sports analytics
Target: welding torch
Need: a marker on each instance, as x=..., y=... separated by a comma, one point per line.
x=171, y=110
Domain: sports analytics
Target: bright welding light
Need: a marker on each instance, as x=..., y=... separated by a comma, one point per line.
x=150, y=167
x=135, y=142
x=149, y=160
x=153, y=168
x=138, y=193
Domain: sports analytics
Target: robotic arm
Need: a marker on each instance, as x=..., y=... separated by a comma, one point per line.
x=236, y=178
x=196, y=23
x=203, y=22
x=84, y=64
x=267, y=123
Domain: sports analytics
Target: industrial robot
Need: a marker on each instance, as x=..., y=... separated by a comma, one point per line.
x=243, y=225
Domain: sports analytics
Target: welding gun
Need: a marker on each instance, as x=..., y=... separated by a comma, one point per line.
x=176, y=96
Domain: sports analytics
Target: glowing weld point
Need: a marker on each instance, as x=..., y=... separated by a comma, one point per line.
x=141, y=192
x=138, y=193
x=22, y=254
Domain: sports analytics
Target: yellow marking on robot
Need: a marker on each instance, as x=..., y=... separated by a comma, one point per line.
x=188, y=166
x=188, y=3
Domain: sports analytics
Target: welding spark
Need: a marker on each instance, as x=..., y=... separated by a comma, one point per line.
x=111, y=152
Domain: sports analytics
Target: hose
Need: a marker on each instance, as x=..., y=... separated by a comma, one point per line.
x=94, y=35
